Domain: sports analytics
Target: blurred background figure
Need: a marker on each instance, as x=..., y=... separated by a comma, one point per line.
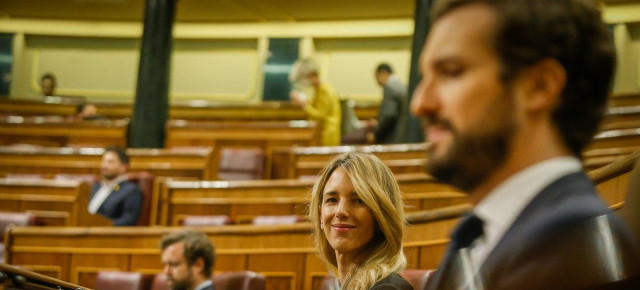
x=323, y=106
x=86, y=111
x=391, y=124
x=115, y=197
x=48, y=84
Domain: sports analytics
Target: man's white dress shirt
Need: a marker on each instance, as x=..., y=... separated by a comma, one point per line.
x=500, y=208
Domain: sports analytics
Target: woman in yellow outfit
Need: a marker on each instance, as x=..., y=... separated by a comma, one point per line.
x=324, y=107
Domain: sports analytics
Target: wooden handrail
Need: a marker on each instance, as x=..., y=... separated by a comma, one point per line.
x=614, y=169
x=34, y=150
x=321, y=150
x=433, y=215
x=33, y=280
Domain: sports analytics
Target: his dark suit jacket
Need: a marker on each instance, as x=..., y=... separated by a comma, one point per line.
x=393, y=116
x=555, y=243
x=123, y=205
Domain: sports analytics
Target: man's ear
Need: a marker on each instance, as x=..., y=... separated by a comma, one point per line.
x=198, y=265
x=543, y=83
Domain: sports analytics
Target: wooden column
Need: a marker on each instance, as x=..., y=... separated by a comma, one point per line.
x=151, y=107
x=420, y=31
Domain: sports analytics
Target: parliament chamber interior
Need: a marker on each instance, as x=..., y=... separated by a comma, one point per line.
x=199, y=96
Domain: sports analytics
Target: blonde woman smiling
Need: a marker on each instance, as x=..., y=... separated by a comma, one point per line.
x=357, y=213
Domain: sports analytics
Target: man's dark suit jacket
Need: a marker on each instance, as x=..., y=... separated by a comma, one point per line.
x=123, y=206
x=393, y=117
x=557, y=242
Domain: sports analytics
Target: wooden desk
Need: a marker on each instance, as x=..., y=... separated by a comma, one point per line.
x=282, y=253
x=251, y=134
x=401, y=158
x=616, y=139
x=53, y=202
x=57, y=132
x=159, y=162
x=195, y=110
x=243, y=200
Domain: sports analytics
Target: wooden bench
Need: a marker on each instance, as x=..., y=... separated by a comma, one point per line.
x=308, y=161
x=616, y=139
x=53, y=202
x=597, y=158
x=159, y=162
x=58, y=132
x=242, y=200
x=195, y=110
x=282, y=253
x=622, y=117
x=266, y=136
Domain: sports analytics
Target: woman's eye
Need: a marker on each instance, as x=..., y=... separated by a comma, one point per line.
x=359, y=201
x=331, y=199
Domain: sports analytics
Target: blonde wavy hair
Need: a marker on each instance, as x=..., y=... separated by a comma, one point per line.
x=376, y=186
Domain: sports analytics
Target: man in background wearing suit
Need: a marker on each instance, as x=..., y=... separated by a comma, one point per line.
x=188, y=258
x=48, y=84
x=391, y=124
x=114, y=197
x=512, y=91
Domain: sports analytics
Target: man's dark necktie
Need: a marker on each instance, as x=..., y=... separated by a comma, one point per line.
x=468, y=231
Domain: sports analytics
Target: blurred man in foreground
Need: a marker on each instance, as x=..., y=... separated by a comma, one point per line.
x=512, y=92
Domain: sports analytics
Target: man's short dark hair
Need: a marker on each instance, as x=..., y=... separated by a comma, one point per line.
x=48, y=76
x=196, y=245
x=569, y=31
x=384, y=67
x=80, y=108
x=122, y=154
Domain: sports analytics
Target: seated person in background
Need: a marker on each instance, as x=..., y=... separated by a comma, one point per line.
x=324, y=107
x=512, y=91
x=391, y=124
x=358, y=220
x=48, y=84
x=114, y=197
x=87, y=112
x=188, y=258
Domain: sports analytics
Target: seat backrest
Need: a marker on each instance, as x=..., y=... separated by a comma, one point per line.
x=108, y=280
x=206, y=220
x=159, y=282
x=144, y=180
x=417, y=278
x=241, y=164
x=15, y=218
x=246, y=280
x=273, y=220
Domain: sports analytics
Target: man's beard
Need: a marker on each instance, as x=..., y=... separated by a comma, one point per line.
x=109, y=177
x=472, y=157
x=184, y=284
